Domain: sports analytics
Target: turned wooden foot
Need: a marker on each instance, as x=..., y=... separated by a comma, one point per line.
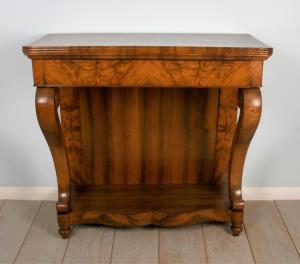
x=237, y=222
x=64, y=228
x=236, y=230
x=64, y=232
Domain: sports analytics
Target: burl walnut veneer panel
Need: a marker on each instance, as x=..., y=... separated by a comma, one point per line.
x=147, y=73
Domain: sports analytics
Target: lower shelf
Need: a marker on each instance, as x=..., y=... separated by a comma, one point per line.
x=140, y=205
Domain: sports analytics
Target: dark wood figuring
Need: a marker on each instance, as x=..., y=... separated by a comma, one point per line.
x=149, y=204
x=227, y=116
x=148, y=130
x=147, y=73
x=136, y=136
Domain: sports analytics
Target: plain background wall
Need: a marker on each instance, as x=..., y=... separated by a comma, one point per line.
x=273, y=158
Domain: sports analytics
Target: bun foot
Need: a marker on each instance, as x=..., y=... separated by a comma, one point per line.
x=64, y=232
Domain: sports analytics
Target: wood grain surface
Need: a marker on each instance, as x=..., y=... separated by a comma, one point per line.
x=227, y=119
x=46, y=103
x=133, y=136
x=267, y=234
x=223, y=248
x=148, y=131
x=90, y=244
x=149, y=46
x=147, y=73
x=16, y=218
x=184, y=245
x=43, y=244
x=165, y=205
x=290, y=213
x=142, y=241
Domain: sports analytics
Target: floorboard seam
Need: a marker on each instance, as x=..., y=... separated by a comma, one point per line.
x=4, y=201
x=112, y=246
x=204, y=243
x=245, y=230
x=37, y=212
x=286, y=227
x=158, y=239
x=67, y=246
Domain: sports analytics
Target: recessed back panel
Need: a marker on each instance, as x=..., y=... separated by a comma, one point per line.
x=142, y=135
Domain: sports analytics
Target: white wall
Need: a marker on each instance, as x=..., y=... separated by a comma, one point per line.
x=273, y=158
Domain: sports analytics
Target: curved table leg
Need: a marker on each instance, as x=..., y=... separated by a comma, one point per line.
x=46, y=109
x=250, y=111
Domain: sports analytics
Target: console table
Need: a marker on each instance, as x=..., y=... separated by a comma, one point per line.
x=148, y=129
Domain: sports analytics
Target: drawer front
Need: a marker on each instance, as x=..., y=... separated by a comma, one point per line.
x=147, y=73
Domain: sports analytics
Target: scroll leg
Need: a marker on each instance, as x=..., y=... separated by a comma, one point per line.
x=46, y=109
x=250, y=111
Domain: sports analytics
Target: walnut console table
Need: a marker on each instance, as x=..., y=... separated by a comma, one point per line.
x=147, y=131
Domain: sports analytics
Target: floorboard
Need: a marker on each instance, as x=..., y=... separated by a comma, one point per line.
x=28, y=234
x=182, y=245
x=290, y=212
x=43, y=243
x=222, y=247
x=90, y=244
x=16, y=218
x=135, y=246
x=267, y=234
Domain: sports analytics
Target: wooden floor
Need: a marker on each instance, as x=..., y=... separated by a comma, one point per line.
x=28, y=234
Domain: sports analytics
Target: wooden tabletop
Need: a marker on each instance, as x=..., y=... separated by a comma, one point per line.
x=148, y=46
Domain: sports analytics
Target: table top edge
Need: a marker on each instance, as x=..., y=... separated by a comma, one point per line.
x=147, y=46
